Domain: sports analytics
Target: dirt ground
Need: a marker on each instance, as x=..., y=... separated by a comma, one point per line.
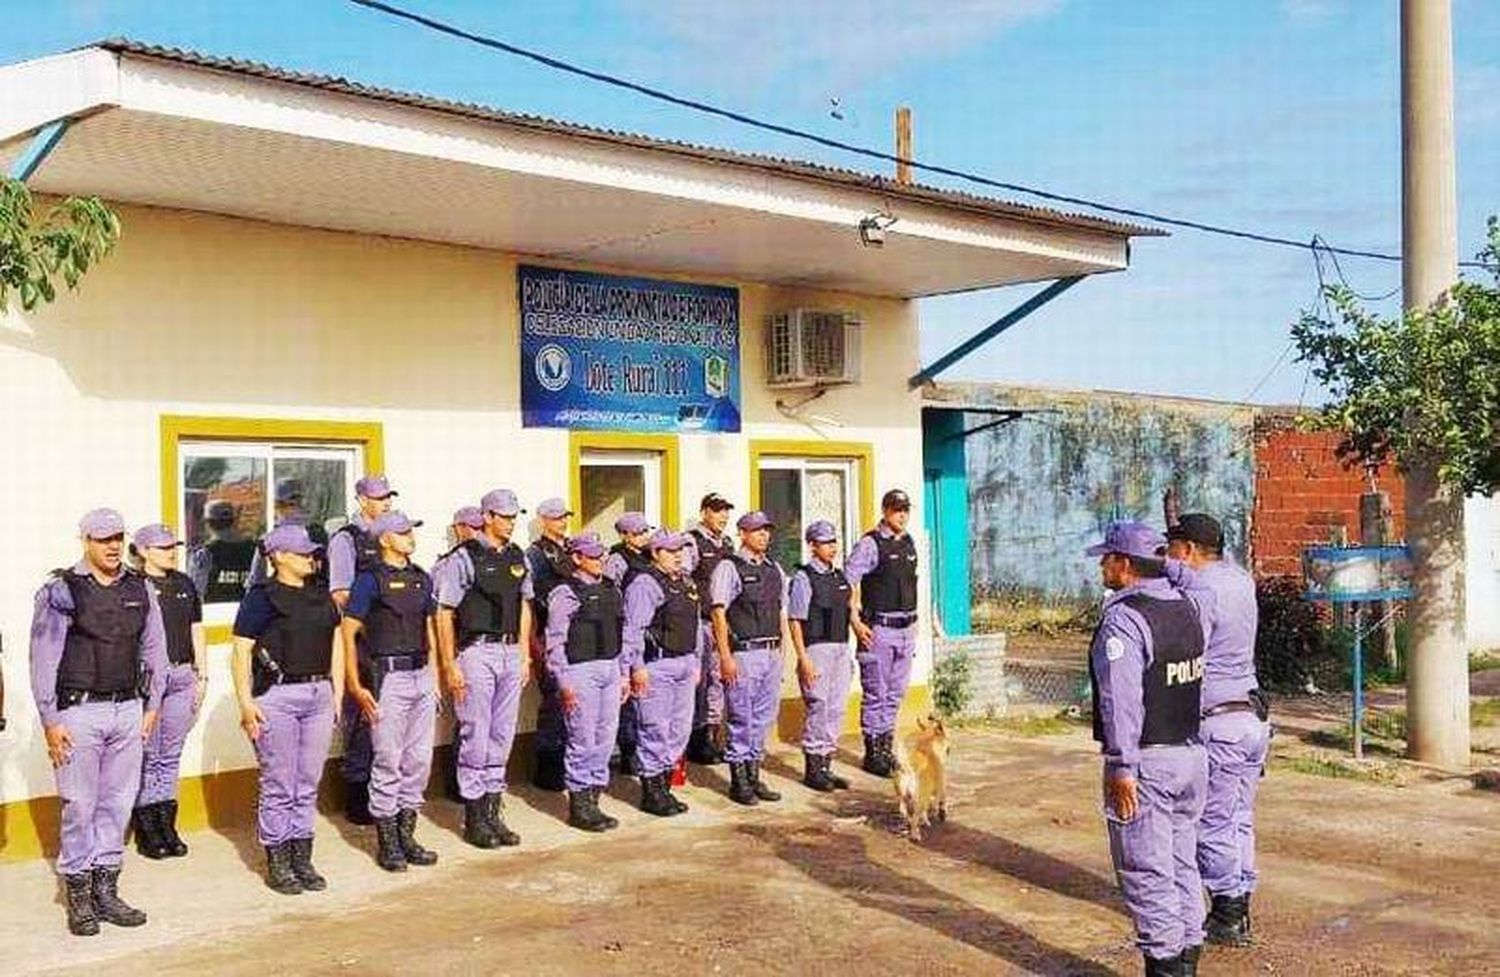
x=1358, y=878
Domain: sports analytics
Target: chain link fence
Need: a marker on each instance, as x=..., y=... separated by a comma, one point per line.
x=997, y=683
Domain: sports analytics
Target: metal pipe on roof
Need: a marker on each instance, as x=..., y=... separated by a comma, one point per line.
x=42, y=144
x=993, y=329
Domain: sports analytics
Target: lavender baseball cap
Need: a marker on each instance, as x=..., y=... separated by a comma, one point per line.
x=394, y=521
x=469, y=516
x=102, y=524
x=553, y=508
x=1130, y=538
x=374, y=487
x=502, y=502
x=665, y=539
x=155, y=536
x=290, y=538
x=821, y=531
x=631, y=523
x=755, y=519
x=586, y=545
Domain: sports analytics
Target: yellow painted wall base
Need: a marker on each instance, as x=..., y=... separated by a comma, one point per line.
x=29, y=828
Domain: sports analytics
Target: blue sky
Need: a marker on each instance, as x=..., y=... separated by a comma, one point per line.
x=1276, y=115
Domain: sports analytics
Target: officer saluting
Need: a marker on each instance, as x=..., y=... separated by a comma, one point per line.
x=393, y=607
x=483, y=630
x=660, y=649
x=818, y=609
x=710, y=545
x=97, y=649
x=550, y=565
x=882, y=569
x=155, y=814
x=748, y=592
x=289, y=678
x=1146, y=668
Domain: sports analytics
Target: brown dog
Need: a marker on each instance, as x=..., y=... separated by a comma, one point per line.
x=921, y=776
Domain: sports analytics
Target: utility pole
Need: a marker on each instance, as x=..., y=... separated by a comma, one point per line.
x=903, y=145
x=1437, y=685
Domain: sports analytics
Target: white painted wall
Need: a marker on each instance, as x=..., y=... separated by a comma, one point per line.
x=1482, y=571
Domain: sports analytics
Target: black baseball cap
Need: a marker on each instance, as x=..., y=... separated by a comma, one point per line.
x=716, y=502
x=1200, y=528
x=895, y=499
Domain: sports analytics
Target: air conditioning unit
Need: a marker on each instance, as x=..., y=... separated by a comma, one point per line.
x=806, y=348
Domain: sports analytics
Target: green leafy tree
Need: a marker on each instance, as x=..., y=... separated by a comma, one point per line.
x=38, y=251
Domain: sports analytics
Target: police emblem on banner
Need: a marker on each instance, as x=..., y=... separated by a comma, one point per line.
x=715, y=376
x=554, y=367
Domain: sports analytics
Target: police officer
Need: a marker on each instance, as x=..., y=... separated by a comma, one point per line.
x=97, y=649
x=467, y=522
x=1146, y=668
x=818, y=611
x=288, y=672
x=155, y=815
x=709, y=545
x=484, y=630
x=220, y=568
x=1234, y=731
x=394, y=608
x=352, y=549
x=748, y=592
x=548, y=561
x=882, y=572
x=660, y=649
x=627, y=558
x=289, y=508
x=583, y=653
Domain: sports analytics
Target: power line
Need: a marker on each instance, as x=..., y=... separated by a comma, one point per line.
x=768, y=126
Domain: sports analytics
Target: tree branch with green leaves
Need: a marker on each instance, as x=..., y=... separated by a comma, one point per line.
x=60, y=245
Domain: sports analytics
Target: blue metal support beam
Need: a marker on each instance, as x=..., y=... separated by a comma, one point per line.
x=42, y=144
x=993, y=329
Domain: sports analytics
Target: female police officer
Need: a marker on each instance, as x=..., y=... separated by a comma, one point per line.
x=289, y=678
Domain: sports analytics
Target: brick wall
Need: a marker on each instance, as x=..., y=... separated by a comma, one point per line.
x=1303, y=493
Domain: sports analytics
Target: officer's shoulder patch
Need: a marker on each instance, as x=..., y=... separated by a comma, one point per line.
x=1114, y=648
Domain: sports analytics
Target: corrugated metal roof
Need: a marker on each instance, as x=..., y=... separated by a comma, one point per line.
x=973, y=203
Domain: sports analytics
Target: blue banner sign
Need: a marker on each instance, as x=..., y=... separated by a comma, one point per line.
x=608, y=353
x=1348, y=574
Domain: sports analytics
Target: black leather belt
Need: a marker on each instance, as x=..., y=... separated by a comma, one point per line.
x=1165, y=746
x=77, y=697
x=504, y=639
x=650, y=654
x=893, y=620
x=401, y=663
x=302, y=679
x=756, y=644
x=1226, y=707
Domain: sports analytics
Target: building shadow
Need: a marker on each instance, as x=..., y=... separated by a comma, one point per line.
x=842, y=863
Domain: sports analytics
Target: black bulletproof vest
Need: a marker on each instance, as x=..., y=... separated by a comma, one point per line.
x=397, y=621
x=228, y=569
x=635, y=562
x=891, y=587
x=594, y=631
x=300, y=639
x=828, y=611
x=756, y=612
x=674, y=627
x=711, y=552
x=549, y=566
x=492, y=605
x=366, y=548
x=178, y=600
x=1173, y=682
x=101, y=652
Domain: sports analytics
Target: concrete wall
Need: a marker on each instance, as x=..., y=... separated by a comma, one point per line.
x=202, y=315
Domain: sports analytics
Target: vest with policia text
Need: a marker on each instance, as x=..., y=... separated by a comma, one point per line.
x=366, y=547
x=550, y=566
x=828, y=610
x=636, y=562
x=1172, y=683
x=756, y=613
x=674, y=626
x=101, y=652
x=228, y=569
x=492, y=605
x=891, y=585
x=397, y=622
x=178, y=600
x=300, y=639
x=594, y=631
x=711, y=552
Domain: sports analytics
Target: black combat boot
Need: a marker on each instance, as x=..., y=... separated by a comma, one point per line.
x=815, y=773
x=875, y=762
x=357, y=802
x=279, y=875
x=741, y=786
x=581, y=814
x=666, y=787
x=107, y=902
x=477, y=824
x=172, y=841
x=548, y=771
x=762, y=790
x=1190, y=957
x=839, y=783
x=888, y=752
x=703, y=746
x=148, y=835
x=406, y=827
x=1228, y=922
x=1170, y=967
x=654, y=799
x=494, y=812
x=299, y=852
x=609, y=823
x=79, y=890
x=388, y=853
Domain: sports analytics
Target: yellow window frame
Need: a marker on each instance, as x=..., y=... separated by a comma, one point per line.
x=664, y=444
x=860, y=452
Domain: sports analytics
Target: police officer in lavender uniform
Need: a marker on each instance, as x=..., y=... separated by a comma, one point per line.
x=882, y=572
x=97, y=650
x=627, y=558
x=550, y=565
x=288, y=673
x=220, y=568
x=584, y=617
x=818, y=610
x=1146, y=669
x=353, y=549
x=660, y=650
x=710, y=545
x=1235, y=730
x=155, y=815
x=748, y=592
x=394, y=608
x=484, y=633
x=467, y=523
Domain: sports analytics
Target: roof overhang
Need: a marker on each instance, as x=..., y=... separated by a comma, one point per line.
x=170, y=129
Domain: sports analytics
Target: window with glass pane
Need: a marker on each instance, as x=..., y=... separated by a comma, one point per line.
x=612, y=483
x=797, y=491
